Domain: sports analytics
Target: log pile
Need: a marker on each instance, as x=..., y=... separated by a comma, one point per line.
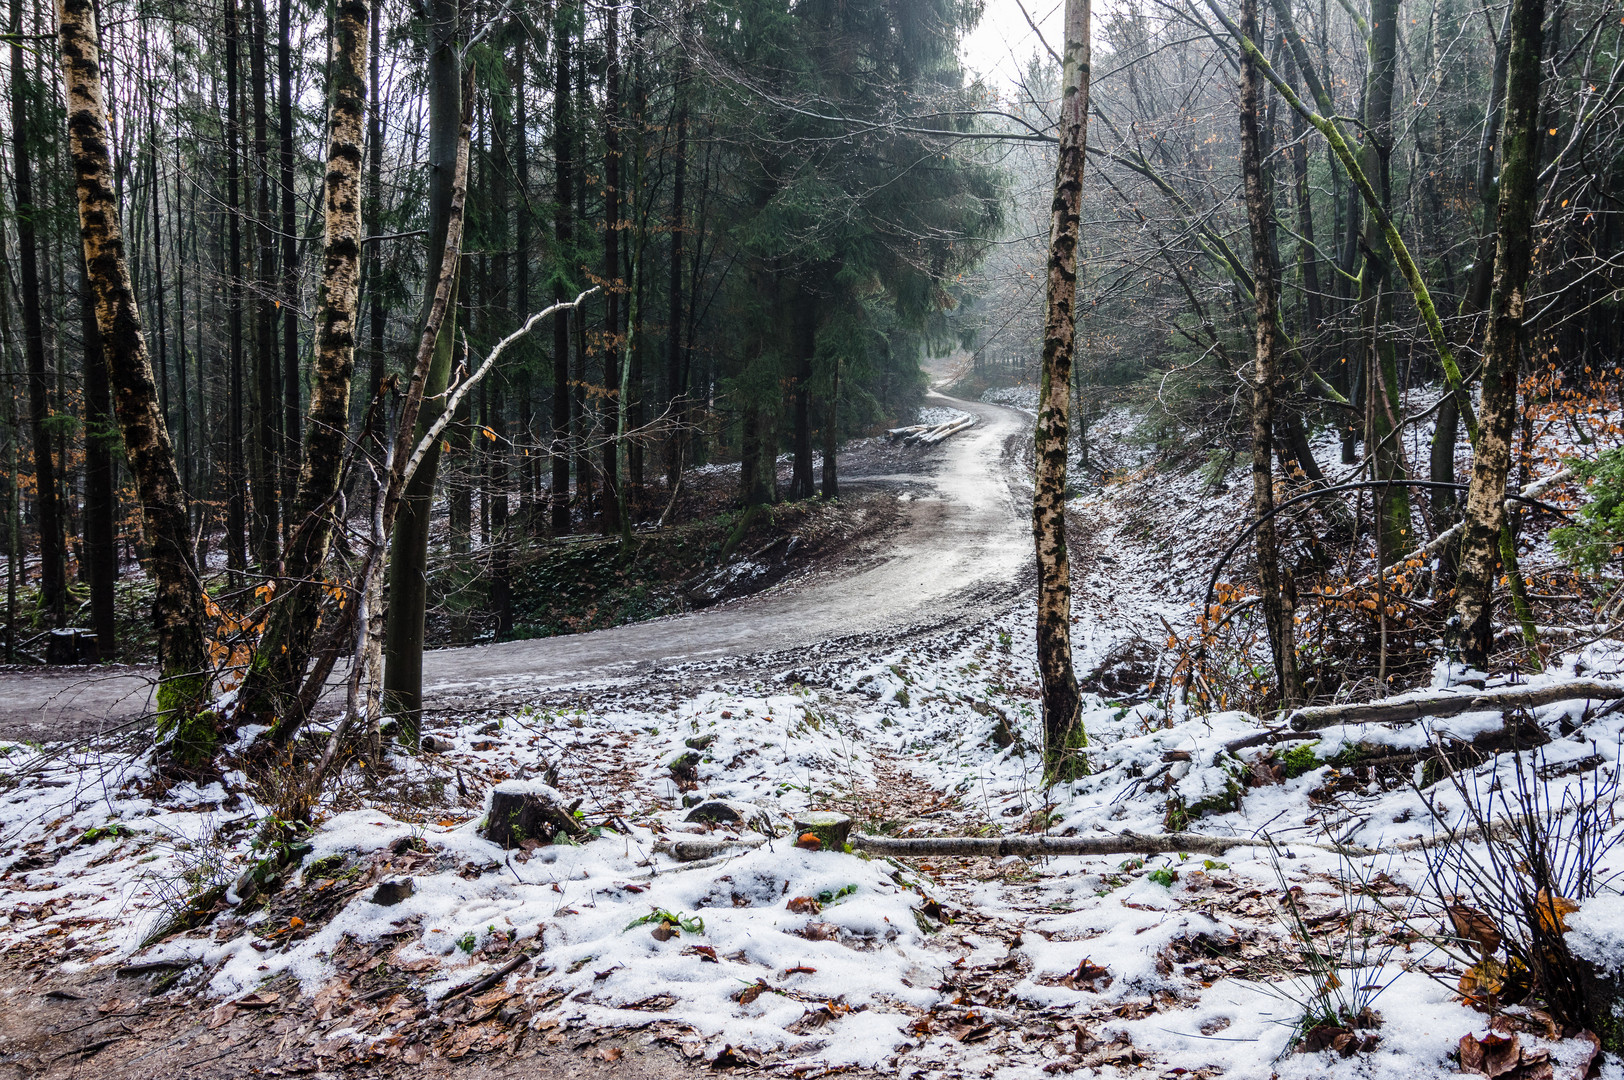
x=929, y=434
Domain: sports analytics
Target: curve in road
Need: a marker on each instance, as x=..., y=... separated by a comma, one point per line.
x=965, y=544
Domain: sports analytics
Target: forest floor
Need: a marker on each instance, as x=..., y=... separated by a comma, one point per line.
x=403, y=941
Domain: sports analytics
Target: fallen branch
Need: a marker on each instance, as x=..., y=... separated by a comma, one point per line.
x=1452, y=703
x=481, y=985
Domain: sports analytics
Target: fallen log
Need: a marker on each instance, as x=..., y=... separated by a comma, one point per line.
x=1125, y=843
x=1452, y=703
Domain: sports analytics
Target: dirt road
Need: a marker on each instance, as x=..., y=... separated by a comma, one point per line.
x=963, y=545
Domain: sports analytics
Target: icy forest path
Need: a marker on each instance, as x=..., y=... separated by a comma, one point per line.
x=961, y=550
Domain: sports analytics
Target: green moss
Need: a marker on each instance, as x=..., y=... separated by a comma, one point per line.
x=1180, y=814
x=1070, y=763
x=1300, y=759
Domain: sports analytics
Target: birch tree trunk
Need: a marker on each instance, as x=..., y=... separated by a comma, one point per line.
x=1276, y=595
x=1063, y=736
x=272, y=683
x=178, y=598
x=1485, y=514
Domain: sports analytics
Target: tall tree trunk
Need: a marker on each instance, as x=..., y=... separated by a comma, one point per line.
x=47, y=511
x=409, y=545
x=1497, y=405
x=675, y=391
x=291, y=398
x=1382, y=406
x=270, y=691
x=831, y=434
x=562, y=199
x=178, y=608
x=802, y=348
x=101, y=502
x=1276, y=591
x=236, y=508
x=613, y=496
x=378, y=315
x=264, y=438
x=528, y=478
x=1063, y=734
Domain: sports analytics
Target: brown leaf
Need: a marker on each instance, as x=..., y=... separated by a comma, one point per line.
x=750, y=993
x=1552, y=912
x=704, y=952
x=801, y=969
x=222, y=1014
x=257, y=1000
x=820, y=931
x=607, y=1053
x=663, y=932
x=1088, y=976
x=731, y=1058
x=1472, y=925
x=804, y=905
x=1492, y=1055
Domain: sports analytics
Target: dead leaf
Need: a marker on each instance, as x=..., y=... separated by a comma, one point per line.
x=820, y=931
x=804, y=905
x=809, y=841
x=258, y=1000
x=750, y=993
x=222, y=1014
x=607, y=1053
x=704, y=952
x=731, y=1058
x=801, y=969
x=1088, y=976
x=1552, y=912
x=1475, y=927
x=1492, y=1055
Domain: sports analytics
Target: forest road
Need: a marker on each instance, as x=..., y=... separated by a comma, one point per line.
x=961, y=549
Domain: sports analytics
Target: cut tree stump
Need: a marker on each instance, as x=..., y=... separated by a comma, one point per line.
x=523, y=810
x=822, y=830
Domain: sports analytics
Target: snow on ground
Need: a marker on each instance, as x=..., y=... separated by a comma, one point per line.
x=935, y=967
x=940, y=414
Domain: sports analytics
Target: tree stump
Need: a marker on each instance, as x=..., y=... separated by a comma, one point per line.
x=522, y=811
x=822, y=830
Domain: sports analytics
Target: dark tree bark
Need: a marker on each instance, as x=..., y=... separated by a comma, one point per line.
x=409, y=544
x=1275, y=589
x=377, y=315
x=269, y=692
x=178, y=608
x=101, y=503
x=1063, y=735
x=1485, y=514
x=674, y=388
x=831, y=435
x=802, y=348
x=291, y=397
x=237, y=533
x=562, y=240
x=264, y=438
x=613, y=498
x=47, y=511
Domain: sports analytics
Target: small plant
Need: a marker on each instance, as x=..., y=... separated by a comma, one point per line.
x=1512, y=895
x=1164, y=876
x=672, y=923
x=1337, y=993
x=828, y=896
x=1589, y=543
x=467, y=942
